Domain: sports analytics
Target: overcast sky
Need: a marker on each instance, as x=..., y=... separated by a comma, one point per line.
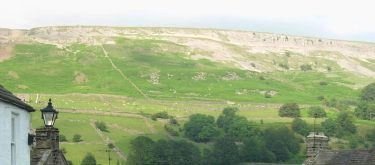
x=340, y=19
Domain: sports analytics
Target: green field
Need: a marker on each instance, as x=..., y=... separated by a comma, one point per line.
x=124, y=83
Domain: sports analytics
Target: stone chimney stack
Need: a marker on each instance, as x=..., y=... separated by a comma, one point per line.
x=315, y=143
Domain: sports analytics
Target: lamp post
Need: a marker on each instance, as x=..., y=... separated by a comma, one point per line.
x=49, y=115
x=47, y=140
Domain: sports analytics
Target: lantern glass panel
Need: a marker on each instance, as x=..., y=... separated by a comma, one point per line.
x=48, y=118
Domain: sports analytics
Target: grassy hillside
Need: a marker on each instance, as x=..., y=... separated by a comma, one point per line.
x=160, y=69
x=124, y=82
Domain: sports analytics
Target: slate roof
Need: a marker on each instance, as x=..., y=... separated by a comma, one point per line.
x=8, y=97
x=345, y=157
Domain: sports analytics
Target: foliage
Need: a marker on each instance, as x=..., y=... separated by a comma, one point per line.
x=329, y=127
x=77, y=138
x=365, y=111
x=161, y=115
x=200, y=128
x=224, y=152
x=289, y=110
x=145, y=151
x=340, y=105
x=110, y=145
x=282, y=142
x=89, y=159
x=241, y=128
x=141, y=151
x=101, y=126
x=323, y=83
x=254, y=150
x=345, y=124
x=175, y=153
x=317, y=111
x=300, y=126
x=62, y=138
x=368, y=93
x=227, y=116
x=341, y=126
x=235, y=126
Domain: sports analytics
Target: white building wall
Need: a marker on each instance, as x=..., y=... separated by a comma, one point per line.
x=22, y=130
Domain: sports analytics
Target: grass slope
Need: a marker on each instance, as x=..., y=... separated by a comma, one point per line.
x=86, y=87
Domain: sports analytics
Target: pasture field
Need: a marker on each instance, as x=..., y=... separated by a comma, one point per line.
x=123, y=84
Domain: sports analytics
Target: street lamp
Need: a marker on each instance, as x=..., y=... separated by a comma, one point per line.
x=49, y=115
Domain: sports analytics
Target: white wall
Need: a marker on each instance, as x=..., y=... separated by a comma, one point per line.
x=23, y=127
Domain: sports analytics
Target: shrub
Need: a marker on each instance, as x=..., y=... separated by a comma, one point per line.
x=110, y=146
x=77, y=138
x=62, y=138
x=323, y=83
x=329, y=68
x=161, y=115
x=289, y=110
x=101, y=126
x=89, y=159
x=317, y=111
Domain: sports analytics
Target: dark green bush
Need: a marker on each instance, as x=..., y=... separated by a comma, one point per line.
x=289, y=110
x=101, y=126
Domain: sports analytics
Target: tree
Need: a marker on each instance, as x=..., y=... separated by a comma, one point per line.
x=254, y=150
x=77, y=138
x=241, y=128
x=289, y=110
x=344, y=124
x=89, y=159
x=317, y=111
x=141, y=151
x=175, y=153
x=282, y=142
x=225, y=152
x=226, y=117
x=200, y=128
x=341, y=126
x=300, y=126
x=368, y=93
x=329, y=127
x=365, y=110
